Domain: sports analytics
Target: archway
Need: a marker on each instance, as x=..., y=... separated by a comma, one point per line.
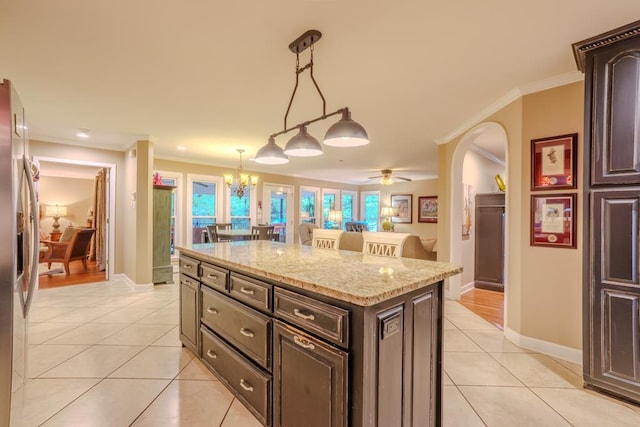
x=483, y=130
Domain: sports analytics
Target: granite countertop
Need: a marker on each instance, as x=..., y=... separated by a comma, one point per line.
x=349, y=276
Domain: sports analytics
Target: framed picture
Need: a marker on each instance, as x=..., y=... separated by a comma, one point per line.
x=428, y=209
x=553, y=220
x=402, y=202
x=553, y=162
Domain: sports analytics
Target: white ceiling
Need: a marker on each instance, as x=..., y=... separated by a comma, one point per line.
x=215, y=75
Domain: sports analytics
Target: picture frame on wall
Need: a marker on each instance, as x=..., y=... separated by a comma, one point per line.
x=403, y=205
x=428, y=209
x=553, y=220
x=553, y=162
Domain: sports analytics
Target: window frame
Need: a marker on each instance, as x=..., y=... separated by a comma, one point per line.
x=219, y=207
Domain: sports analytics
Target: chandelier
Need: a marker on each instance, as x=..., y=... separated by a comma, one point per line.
x=344, y=133
x=239, y=180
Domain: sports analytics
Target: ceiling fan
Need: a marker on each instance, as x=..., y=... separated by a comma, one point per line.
x=386, y=178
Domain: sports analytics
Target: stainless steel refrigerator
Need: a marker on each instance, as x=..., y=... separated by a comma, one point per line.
x=18, y=252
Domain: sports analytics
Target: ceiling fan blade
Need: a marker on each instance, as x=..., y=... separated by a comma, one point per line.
x=375, y=177
x=404, y=179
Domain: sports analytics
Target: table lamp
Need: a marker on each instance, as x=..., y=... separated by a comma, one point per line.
x=55, y=211
x=387, y=212
x=335, y=217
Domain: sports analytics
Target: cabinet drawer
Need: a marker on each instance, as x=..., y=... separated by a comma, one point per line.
x=252, y=292
x=214, y=276
x=244, y=327
x=251, y=385
x=314, y=316
x=189, y=266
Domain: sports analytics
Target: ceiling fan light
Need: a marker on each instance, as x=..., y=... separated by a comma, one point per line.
x=303, y=145
x=271, y=154
x=346, y=133
x=386, y=180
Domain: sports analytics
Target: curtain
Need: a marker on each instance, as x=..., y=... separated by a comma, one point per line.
x=98, y=250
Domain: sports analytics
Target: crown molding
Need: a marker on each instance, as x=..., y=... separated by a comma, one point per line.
x=492, y=108
x=508, y=98
x=484, y=153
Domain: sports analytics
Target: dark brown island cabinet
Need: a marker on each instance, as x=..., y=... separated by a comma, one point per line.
x=312, y=337
x=611, y=201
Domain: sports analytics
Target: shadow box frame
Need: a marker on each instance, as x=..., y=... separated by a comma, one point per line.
x=551, y=170
x=545, y=229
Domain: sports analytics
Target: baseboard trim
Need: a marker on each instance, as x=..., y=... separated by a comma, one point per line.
x=466, y=288
x=556, y=350
x=132, y=285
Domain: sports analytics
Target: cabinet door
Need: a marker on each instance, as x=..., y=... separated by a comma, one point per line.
x=615, y=114
x=310, y=380
x=614, y=299
x=189, y=319
x=489, y=253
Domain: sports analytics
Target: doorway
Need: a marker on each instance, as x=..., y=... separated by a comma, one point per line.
x=72, y=184
x=277, y=210
x=484, y=140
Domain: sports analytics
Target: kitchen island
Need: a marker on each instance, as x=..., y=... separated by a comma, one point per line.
x=316, y=337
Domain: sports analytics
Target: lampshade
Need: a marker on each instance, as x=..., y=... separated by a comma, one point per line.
x=386, y=211
x=303, y=145
x=334, y=216
x=271, y=154
x=55, y=211
x=346, y=133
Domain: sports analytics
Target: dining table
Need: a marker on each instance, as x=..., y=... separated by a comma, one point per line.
x=240, y=234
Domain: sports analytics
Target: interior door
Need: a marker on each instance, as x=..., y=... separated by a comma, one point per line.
x=278, y=210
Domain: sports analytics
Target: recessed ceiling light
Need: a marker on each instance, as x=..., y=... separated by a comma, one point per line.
x=181, y=147
x=82, y=133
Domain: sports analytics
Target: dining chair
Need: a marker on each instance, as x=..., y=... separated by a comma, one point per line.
x=223, y=225
x=383, y=243
x=262, y=232
x=212, y=233
x=326, y=239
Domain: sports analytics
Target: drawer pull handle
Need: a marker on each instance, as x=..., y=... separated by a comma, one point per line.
x=212, y=276
x=302, y=315
x=247, y=332
x=211, y=354
x=245, y=385
x=187, y=266
x=212, y=310
x=247, y=291
x=303, y=343
x=186, y=282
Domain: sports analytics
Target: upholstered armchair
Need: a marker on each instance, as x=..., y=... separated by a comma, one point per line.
x=305, y=232
x=76, y=248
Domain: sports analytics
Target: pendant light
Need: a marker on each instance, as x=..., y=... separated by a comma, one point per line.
x=344, y=133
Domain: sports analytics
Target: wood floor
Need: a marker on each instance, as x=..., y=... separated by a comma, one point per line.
x=487, y=304
x=78, y=275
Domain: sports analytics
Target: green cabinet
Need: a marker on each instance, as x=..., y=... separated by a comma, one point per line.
x=162, y=268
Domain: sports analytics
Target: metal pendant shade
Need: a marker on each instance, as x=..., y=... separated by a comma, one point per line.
x=303, y=145
x=271, y=154
x=346, y=133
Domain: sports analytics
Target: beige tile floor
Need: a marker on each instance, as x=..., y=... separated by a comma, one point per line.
x=103, y=355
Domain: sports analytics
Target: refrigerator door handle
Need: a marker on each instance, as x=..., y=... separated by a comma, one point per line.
x=33, y=278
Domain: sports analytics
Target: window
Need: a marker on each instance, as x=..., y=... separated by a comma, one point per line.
x=240, y=209
x=308, y=198
x=330, y=201
x=175, y=179
x=371, y=209
x=349, y=207
x=204, y=204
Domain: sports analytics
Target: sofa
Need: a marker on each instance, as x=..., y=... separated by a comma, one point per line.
x=414, y=247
